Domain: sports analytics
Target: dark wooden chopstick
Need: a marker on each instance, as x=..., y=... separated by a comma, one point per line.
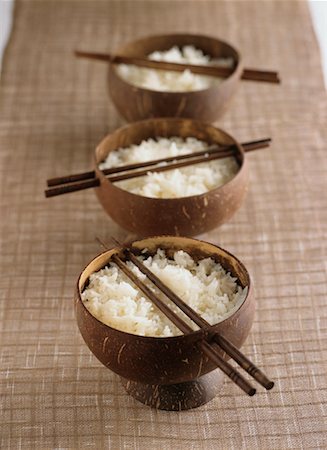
x=248, y=74
x=86, y=175
x=73, y=187
x=209, y=154
x=227, y=368
x=248, y=146
x=226, y=345
x=177, y=165
x=243, y=361
x=67, y=188
x=191, y=160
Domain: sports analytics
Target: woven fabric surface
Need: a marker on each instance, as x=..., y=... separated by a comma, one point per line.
x=54, y=109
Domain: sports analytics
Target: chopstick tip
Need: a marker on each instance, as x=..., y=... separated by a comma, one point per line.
x=78, y=53
x=269, y=385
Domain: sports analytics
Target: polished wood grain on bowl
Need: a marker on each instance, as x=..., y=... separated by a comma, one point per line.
x=180, y=216
x=137, y=103
x=164, y=361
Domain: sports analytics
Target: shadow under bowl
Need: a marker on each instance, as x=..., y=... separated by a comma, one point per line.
x=137, y=103
x=179, y=216
x=169, y=372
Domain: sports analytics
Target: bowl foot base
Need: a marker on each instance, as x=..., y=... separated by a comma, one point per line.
x=177, y=397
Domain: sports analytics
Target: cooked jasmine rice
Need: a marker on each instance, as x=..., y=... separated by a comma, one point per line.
x=184, y=182
x=162, y=80
x=211, y=291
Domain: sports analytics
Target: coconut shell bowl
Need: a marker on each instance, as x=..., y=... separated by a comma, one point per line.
x=172, y=373
x=144, y=216
x=137, y=103
x=179, y=216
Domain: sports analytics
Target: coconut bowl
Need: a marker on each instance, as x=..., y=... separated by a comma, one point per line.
x=170, y=372
x=179, y=216
x=137, y=103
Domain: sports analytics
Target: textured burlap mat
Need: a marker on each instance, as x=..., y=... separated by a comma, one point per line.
x=53, y=111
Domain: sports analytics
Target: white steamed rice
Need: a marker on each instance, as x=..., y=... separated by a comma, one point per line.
x=187, y=181
x=162, y=80
x=211, y=291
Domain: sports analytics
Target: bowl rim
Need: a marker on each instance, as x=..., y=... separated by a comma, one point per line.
x=213, y=191
x=196, y=333
x=238, y=65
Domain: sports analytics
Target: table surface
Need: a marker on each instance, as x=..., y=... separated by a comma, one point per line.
x=53, y=112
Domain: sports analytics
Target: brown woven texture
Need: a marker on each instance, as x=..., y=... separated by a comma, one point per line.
x=53, y=111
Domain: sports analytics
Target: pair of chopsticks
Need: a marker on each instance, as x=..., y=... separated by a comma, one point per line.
x=214, y=71
x=86, y=180
x=210, y=350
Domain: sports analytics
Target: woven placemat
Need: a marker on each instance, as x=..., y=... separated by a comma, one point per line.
x=53, y=111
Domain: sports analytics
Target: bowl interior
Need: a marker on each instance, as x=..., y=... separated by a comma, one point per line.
x=213, y=47
x=182, y=215
x=135, y=133
x=196, y=248
x=163, y=360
